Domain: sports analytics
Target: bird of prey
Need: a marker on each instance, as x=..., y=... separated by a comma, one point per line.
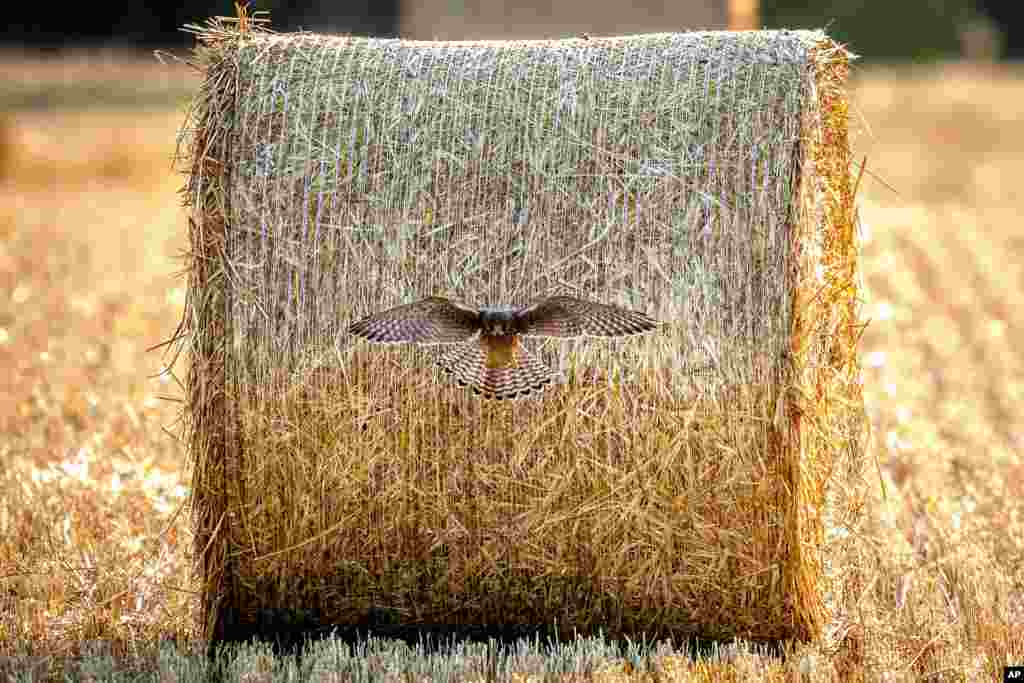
x=486, y=352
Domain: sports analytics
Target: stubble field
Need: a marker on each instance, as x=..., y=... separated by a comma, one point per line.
x=94, y=544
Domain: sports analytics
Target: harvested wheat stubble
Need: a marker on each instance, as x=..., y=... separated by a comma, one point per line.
x=707, y=479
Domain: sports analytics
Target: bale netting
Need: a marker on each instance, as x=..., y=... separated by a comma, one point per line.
x=706, y=479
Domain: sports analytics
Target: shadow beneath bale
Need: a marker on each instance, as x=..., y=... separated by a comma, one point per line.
x=295, y=632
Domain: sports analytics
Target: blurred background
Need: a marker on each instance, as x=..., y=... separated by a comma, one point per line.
x=93, y=242
x=877, y=29
x=98, y=49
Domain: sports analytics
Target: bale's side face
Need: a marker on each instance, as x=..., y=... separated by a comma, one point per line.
x=669, y=482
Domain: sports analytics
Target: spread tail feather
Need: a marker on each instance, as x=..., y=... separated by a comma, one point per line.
x=525, y=375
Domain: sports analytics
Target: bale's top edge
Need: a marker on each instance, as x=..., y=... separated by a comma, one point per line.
x=808, y=36
x=219, y=39
x=222, y=35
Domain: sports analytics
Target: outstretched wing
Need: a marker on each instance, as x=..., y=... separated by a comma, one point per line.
x=567, y=316
x=431, y=321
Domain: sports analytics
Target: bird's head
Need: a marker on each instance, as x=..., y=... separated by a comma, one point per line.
x=497, y=320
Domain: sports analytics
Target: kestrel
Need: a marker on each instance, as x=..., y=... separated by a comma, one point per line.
x=486, y=351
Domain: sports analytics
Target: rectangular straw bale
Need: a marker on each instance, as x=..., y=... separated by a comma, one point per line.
x=704, y=480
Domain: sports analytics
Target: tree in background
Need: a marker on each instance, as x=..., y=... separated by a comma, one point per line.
x=883, y=30
x=920, y=30
x=1008, y=15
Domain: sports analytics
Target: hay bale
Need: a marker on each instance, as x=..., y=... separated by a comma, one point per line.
x=705, y=480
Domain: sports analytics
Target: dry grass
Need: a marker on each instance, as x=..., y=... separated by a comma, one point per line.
x=89, y=232
x=945, y=371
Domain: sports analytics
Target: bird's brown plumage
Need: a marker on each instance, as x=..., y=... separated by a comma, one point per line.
x=500, y=350
x=487, y=354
